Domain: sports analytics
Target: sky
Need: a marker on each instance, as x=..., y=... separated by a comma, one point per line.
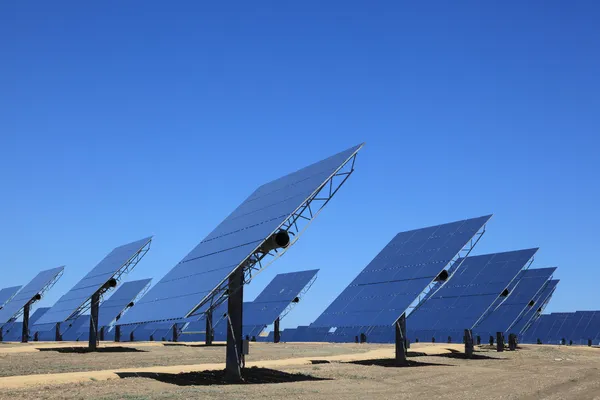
x=120, y=120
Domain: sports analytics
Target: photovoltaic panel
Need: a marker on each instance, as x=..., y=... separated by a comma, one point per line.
x=541, y=299
x=196, y=279
x=37, y=286
x=107, y=269
x=388, y=285
x=529, y=283
x=7, y=293
x=120, y=299
x=467, y=296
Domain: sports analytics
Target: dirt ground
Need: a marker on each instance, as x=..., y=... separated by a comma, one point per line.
x=435, y=372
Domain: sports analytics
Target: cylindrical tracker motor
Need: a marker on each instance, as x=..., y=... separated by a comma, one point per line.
x=278, y=240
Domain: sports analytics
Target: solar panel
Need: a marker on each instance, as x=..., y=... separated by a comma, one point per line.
x=117, y=262
x=7, y=293
x=239, y=241
x=117, y=303
x=272, y=302
x=529, y=283
x=529, y=316
x=463, y=300
x=38, y=285
x=390, y=283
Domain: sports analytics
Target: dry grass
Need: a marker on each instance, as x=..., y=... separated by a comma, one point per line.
x=535, y=372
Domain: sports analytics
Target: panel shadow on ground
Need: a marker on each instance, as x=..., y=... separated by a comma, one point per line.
x=252, y=375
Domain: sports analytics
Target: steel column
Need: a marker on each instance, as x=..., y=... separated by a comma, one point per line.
x=276, y=332
x=25, y=332
x=234, y=357
x=401, y=340
x=94, y=309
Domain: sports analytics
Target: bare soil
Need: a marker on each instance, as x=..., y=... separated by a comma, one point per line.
x=532, y=372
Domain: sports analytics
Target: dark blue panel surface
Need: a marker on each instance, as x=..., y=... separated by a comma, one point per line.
x=192, y=281
x=25, y=295
x=8, y=293
x=94, y=280
x=398, y=274
x=465, y=298
x=528, y=285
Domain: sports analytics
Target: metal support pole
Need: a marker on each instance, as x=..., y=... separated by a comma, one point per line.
x=117, y=333
x=94, y=308
x=1, y=338
x=175, y=333
x=25, y=332
x=57, y=335
x=401, y=340
x=234, y=357
x=101, y=334
x=499, y=341
x=276, y=332
x=468, y=343
x=209, y=335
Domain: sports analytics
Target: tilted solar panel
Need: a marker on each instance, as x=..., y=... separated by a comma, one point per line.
x=199, y=277
x=120, y=299
x=34, y=288
x=269, y=305
x=7, y=293
x=465, y=298
x=388, y=285
x=70, y=303
x=532, y=312
x=501, y=319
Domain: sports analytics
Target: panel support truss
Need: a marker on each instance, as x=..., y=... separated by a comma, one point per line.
x=295, y=225
x=462, y=255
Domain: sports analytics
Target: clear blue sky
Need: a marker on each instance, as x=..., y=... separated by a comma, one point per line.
x=123, y=119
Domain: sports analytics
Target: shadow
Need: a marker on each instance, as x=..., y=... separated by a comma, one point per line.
x=84, y=350
x=460, y=355
x=252, y=375
x=319, y=362
x=195, y=345
x=391, y=363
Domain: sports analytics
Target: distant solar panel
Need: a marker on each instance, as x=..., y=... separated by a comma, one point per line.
x=529, y=283
x=390, y=283
x=6, y=294
x=117, y=304
x=533, y=312
x=31, y=292
x=86, y=294
x=112, y=308
x=273, y=302
x=464, y=300
x=202, y=275
x=76, y=301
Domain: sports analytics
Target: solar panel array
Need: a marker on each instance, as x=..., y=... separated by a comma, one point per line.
x=463, y=300
x=529, y=284
x=388, y=285
x=37, y=285
x=73, y=300
x=194, y=280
